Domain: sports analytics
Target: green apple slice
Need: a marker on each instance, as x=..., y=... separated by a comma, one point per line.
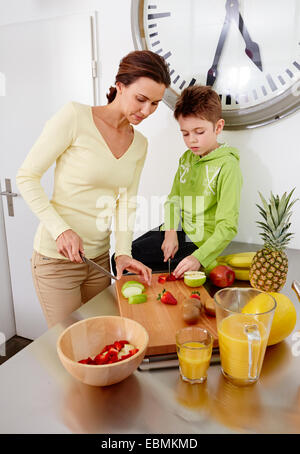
x=137, y=299
x=131, y=288
x=194, y=278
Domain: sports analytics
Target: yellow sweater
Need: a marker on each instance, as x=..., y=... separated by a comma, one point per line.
x=90, y=184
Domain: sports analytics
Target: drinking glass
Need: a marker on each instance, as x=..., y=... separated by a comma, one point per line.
x=194, y=349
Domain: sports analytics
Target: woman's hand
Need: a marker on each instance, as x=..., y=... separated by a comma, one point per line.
x=170, y=244
x=70, y=245
x=124, y=262
x=189, y=263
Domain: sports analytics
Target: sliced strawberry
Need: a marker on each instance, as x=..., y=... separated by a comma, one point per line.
x=123, y=342
x=171, y=277
x=101, y=358
x=131, y=353
x=125, y=356
x=162, y=279
x=118, y=345
x=109, y=354
x=87, y=361
x=166, y=278
x=106, y=348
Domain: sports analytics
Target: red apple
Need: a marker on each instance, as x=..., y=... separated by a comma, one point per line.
x=222, y=276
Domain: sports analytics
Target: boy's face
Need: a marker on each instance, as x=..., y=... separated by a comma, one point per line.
x=199, y=135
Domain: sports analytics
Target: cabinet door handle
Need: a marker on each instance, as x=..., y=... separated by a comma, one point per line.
x=9, y=196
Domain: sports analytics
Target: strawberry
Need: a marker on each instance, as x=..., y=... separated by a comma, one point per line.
x=166, y=278
x=195, y=295
x=167, y=297
x=88, y=360
x=162, y=279
x=109, y=354
x=171, y=277
x=118, y=345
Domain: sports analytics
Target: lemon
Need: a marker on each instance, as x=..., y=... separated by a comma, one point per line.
x=285, y=315
x=194, y=278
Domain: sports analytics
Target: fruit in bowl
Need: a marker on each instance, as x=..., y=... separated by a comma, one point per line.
x=87, y=338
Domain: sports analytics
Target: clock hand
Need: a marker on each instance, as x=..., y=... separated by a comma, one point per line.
x=213, y=71
x=252, y=49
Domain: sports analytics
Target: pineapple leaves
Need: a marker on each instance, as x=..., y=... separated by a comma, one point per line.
x=276, y=214
x=267, y=209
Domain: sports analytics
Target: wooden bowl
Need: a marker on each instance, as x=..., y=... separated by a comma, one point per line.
x=88, y=337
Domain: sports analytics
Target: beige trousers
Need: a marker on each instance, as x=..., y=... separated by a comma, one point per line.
x=63, y=286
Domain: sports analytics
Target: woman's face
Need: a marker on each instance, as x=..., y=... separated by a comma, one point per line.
x=139, y=99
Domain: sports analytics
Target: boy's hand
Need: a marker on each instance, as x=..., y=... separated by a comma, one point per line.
x=189, y=263
x=170, y=244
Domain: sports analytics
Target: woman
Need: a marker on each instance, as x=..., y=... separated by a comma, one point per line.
x=99, y=158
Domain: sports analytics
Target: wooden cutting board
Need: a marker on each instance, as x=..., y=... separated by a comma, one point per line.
x=163, y=320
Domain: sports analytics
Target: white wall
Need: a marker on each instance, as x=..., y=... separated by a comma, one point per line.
x=269, y=155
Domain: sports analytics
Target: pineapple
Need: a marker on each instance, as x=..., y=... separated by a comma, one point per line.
x=269, y=266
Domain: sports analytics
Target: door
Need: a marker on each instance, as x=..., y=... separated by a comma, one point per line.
x=45, y=64
x=7, y=317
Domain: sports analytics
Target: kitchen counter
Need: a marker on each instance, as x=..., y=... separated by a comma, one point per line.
x=37, y=395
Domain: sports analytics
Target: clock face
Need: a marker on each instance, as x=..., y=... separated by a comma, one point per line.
x=248, y=51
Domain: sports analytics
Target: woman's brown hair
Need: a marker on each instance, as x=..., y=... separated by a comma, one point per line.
x=199, y=101
x=141, y=63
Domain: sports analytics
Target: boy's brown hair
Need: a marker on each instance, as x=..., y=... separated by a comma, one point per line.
x=199, y=101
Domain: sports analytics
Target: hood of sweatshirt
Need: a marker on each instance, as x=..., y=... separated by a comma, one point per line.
x=223, y=151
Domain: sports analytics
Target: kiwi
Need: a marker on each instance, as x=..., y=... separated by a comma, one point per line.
x=193, y=301
x=190, y=313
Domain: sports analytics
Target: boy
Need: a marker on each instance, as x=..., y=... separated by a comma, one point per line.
x=205, y=195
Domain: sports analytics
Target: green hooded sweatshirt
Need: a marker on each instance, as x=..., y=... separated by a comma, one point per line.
x=205, y=198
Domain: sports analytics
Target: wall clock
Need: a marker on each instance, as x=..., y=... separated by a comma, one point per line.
x=248, y=51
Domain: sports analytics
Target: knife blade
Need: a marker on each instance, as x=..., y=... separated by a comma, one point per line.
x=169, y=266
x=98, y=267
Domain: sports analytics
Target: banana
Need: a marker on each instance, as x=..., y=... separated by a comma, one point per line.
x=239, y=260
x=242, y=274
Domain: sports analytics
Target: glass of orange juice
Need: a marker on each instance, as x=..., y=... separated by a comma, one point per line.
x=244, y=319
x=194, y=349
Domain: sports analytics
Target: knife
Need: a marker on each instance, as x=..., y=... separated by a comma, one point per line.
x=169, y=265
x=103, y=270
x=98, y=267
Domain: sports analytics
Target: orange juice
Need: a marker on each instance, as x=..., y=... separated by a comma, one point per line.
x=235, y=349
x=194, y=358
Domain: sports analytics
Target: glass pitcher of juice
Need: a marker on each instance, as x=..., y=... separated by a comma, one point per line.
x=244, y=319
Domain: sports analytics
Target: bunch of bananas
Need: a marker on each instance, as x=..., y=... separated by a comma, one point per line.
x=240, y=263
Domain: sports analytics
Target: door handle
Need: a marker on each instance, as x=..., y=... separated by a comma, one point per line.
x=9, y=196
